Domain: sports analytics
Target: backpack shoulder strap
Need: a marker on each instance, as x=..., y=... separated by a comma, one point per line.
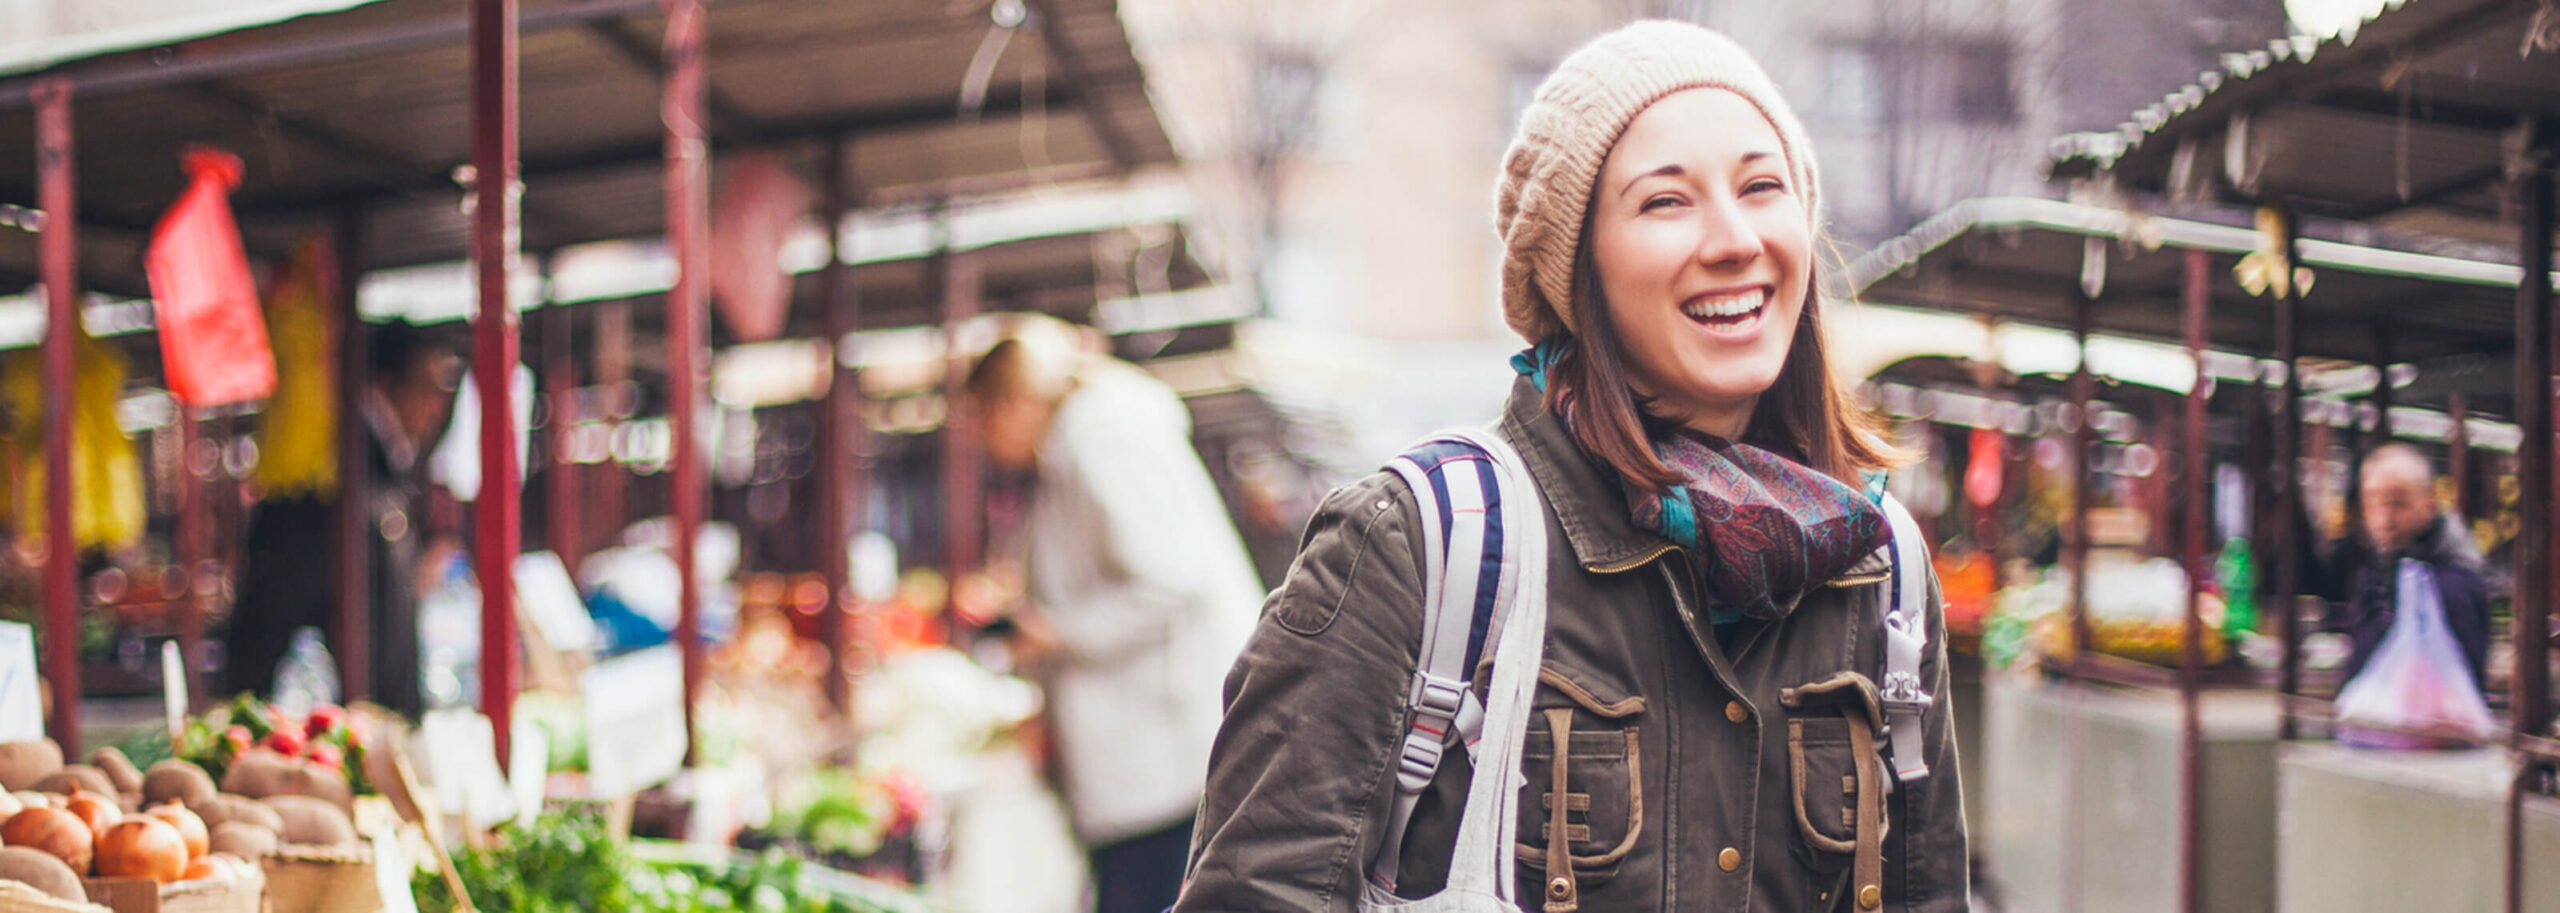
x=1906, y=640
x=1459, y=481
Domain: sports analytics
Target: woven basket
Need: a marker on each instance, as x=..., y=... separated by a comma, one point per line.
x=321, y=879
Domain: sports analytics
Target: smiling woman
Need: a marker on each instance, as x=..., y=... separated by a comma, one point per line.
x=1713, y=686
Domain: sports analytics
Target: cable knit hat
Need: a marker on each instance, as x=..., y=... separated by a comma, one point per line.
x=1571, y=124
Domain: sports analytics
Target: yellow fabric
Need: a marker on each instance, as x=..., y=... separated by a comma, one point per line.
x=106, y=474
x=297, y=434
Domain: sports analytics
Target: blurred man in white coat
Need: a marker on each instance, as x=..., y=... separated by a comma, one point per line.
x=1137, y=574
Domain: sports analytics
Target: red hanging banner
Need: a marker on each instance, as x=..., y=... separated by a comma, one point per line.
x=213, y=338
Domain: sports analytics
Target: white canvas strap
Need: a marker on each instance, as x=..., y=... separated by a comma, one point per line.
x=1906, y=639
x=1441, y=708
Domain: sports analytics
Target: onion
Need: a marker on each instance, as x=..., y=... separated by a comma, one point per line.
x=97, y=813
x=53, y=831
x=190, y=827
x=142, y=847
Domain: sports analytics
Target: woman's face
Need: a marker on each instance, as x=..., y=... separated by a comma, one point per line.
x=1704, y=252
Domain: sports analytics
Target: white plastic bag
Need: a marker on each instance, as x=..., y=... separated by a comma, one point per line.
x=2416, y=691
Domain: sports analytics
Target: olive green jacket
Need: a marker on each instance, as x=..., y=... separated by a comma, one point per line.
x=1696, y=777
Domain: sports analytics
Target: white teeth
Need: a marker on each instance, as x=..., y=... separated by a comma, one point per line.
x=1728, y=306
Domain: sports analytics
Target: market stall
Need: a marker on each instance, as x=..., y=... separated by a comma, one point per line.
x=2106, y=271
x=2434, y=116
x=373, y=128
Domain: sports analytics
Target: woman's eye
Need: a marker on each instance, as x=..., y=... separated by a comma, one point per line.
x=1763, y=185
x=1658, y=202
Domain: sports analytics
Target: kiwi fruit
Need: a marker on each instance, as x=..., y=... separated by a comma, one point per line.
x=176, y=779
x=119, y=769
x=89, y=779
x=24, y=763
x=40, y=870
x=308, y=820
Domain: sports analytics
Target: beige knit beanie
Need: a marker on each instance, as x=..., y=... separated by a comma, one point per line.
x=1570, y=126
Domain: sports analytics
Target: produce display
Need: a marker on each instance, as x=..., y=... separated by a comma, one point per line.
x=99, y=820
x=257, y=749
x=569, y=861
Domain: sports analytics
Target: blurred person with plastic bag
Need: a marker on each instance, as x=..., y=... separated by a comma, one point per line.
x=2409, y=595
x=286, y=582
x=1140, y=594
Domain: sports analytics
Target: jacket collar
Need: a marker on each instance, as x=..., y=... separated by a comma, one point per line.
x=1586, y=497
x=1583, y=493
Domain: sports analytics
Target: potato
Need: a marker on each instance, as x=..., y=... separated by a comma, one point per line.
x=40, y=870
x=119, y=769
x=256, y=773
x=312, y=821
x=222, y=808
x=89, y=779
x=24, y=763
x=243, y=839
x=261, y=775
x=176, y=779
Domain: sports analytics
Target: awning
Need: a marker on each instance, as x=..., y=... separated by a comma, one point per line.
x=2031, y=260
x=2407, y=120
x=367, y=109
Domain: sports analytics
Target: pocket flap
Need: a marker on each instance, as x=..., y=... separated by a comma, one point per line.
x=1590, y=693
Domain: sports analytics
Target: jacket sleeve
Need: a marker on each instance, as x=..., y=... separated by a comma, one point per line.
x=1927, y=846
x=1300, y=778
x=1130, y=473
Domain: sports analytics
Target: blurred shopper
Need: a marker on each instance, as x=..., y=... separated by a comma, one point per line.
x=1137, y=579
x=2397, y=494
x=1717, y=575
x=287, y=582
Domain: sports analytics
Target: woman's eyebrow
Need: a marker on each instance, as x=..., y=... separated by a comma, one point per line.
x=1670, y=170
x=1674, y=169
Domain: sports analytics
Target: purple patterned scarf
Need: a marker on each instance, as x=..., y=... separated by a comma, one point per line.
x=1765, y=529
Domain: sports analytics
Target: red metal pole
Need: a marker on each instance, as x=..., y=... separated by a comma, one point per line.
x=688, y=310
x=493, y=355
x=561, y=508
x=2458, y=452
x=2286, y=583
x=201, y=573
x=962, y=499
x=59, y=256
x=837, y=421
x=352, y=517
x=2191, y=668
x=2531, y=701
x=2084, y=439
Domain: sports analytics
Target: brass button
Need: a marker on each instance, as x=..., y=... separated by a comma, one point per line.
x=1736, y=712
x=1869, y=897
x=1730, y=859
x=1559, y=888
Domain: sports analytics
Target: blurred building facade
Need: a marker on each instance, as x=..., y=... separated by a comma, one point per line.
x=1345, y=150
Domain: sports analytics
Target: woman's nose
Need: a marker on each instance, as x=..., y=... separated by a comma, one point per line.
x=1726, y=236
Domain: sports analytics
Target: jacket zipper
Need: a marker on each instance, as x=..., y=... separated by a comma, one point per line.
x=1632, y=563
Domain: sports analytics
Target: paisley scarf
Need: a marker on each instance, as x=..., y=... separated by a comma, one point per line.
x=1765, y=529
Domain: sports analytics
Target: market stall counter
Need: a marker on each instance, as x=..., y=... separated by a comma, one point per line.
x=2096, y=767
x=2439, y=817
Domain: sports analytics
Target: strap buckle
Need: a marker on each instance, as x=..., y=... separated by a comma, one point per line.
x=1435, y=702
x=1901, y=693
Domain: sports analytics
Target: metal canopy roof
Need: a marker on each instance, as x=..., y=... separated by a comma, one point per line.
x=2406, y=120
x=368, y=107
x=2022, y=259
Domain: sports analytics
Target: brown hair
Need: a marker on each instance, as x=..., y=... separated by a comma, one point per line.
x=1803, y=415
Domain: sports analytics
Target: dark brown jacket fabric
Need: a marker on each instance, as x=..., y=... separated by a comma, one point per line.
x=1697, y=776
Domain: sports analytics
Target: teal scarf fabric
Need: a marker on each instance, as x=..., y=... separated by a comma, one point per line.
x=1765, y=529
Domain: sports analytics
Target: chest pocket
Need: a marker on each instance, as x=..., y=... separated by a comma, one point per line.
x=1837, y=779
x=1584, y=767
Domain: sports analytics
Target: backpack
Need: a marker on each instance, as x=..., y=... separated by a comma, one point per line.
x=1466, y=581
